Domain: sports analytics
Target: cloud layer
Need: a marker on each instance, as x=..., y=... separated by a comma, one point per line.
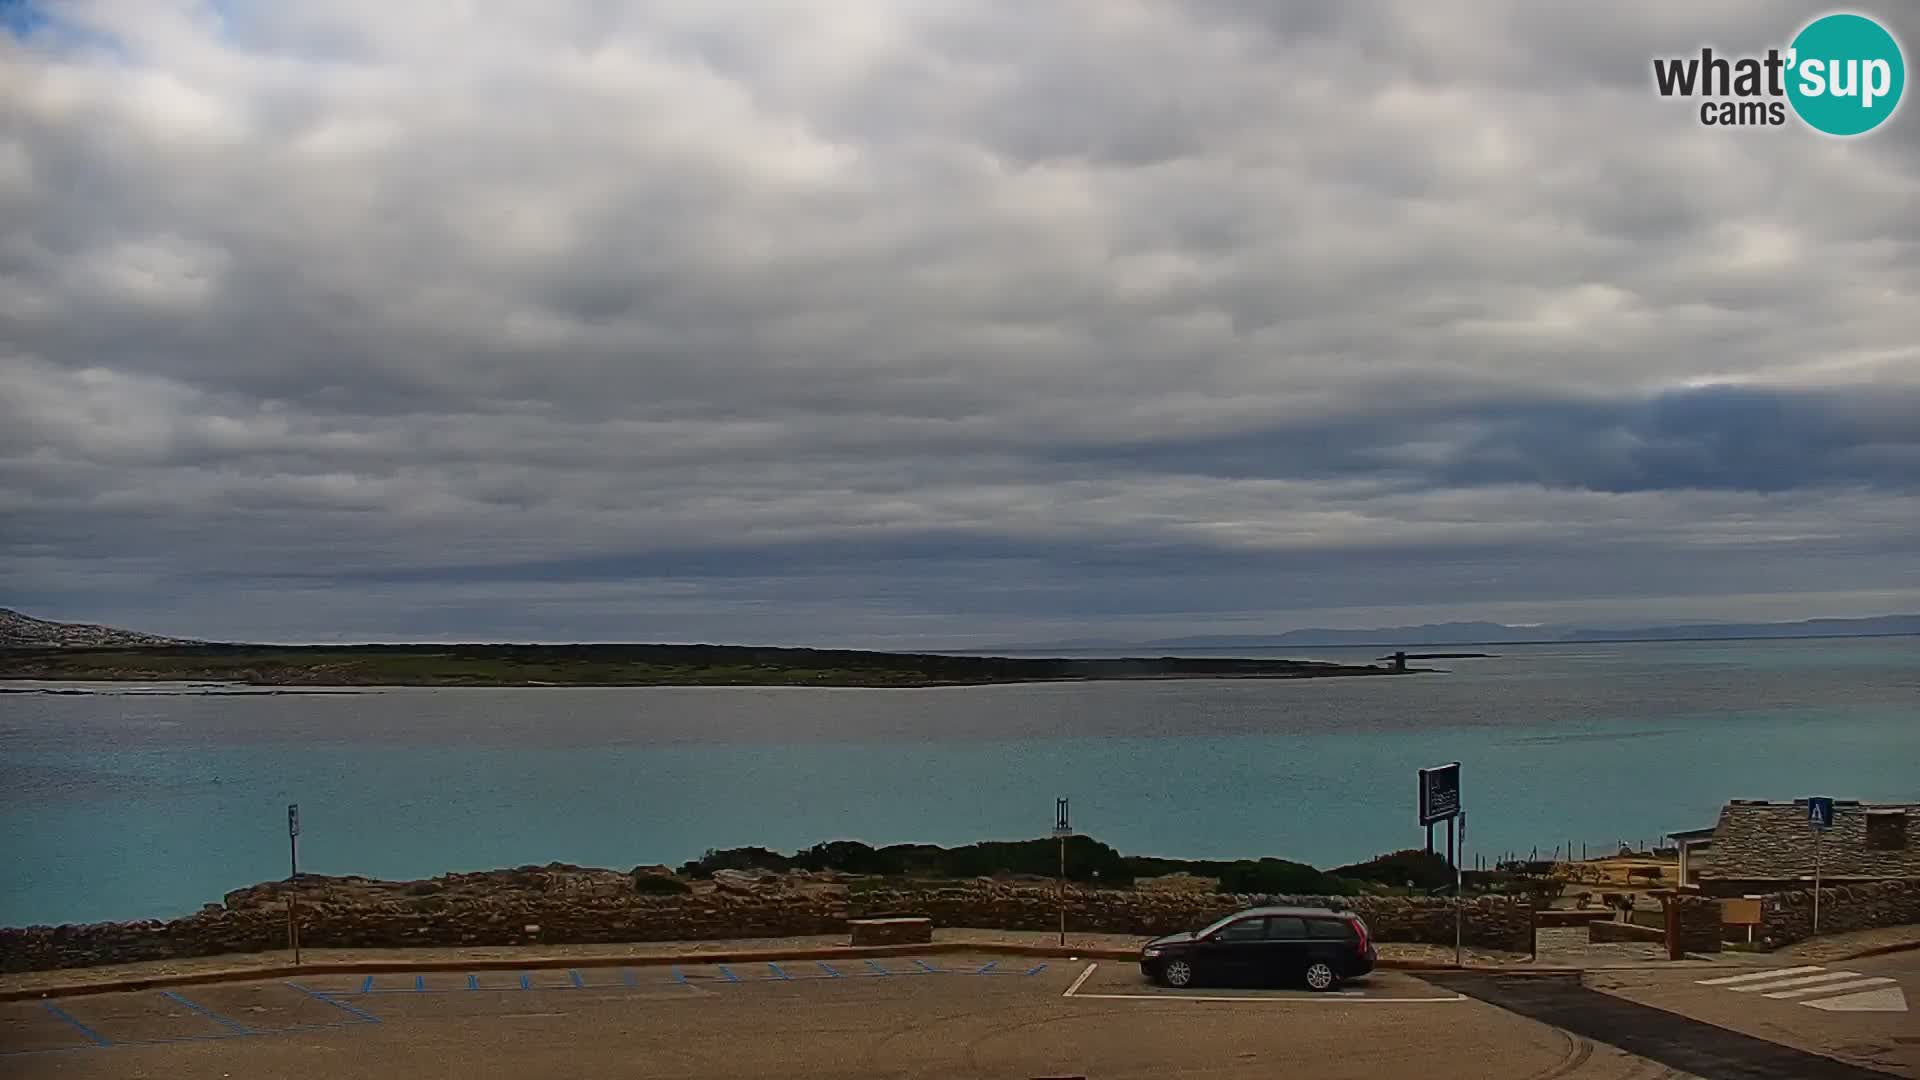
x=940, y=323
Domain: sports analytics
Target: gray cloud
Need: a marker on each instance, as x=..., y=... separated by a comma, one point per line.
x=875, y=324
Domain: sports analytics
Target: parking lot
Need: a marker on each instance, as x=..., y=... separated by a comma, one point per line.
x=937, y=1016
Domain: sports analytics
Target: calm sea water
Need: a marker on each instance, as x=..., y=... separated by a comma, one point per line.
x=126, y=804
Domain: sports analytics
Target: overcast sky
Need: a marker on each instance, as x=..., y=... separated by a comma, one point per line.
x=937, y=324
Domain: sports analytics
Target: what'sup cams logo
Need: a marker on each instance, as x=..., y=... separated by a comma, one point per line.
x=1842, y=74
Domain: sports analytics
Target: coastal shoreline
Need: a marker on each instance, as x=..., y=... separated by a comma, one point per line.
x=619, y=665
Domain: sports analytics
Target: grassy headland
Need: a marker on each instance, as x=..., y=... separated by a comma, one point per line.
x=611, y=665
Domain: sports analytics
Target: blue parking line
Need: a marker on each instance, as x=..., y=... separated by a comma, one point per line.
x=473, y=982
x=828, y=968
x=365, y=1017
x=778, y=973
x=419, y=984
x=526, y=981
x=877, y=969
x=92, y=1036
x=987, y=968
x=727, y=975
x=575, y=977
x=367, y=986
x=924, y=966
x=233, y=1025
x=678, y=976
x=1036, y=969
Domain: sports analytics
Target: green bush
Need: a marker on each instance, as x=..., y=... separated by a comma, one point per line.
x=743, y=858
x=1280, y=876
x=1425, y=869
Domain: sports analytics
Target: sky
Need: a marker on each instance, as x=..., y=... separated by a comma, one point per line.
x=938, y=324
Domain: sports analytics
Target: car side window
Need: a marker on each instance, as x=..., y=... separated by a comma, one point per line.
x=1286, y=929
x=1327, y=928
x=1244, y=930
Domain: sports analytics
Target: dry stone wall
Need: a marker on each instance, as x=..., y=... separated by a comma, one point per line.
x=1787, y=917
x=568, y=906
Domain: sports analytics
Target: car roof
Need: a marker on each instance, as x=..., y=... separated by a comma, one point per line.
x=1325, y=913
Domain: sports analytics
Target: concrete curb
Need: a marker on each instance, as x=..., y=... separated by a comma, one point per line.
x=738, y=956
x=1878, y=950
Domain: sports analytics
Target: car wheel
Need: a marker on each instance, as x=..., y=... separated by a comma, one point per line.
x=1177, y=974
x=1320, y=976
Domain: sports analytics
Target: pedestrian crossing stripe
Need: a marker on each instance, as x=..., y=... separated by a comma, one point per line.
x=1856, y=992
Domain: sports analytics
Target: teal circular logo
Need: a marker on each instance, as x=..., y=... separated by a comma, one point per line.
x=1846, y=74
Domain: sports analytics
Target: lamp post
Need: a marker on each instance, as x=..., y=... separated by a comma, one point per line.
x=293, y=879
x=1062, y=829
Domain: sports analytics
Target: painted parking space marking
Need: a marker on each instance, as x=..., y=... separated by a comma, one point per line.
x=1820, y=987
x=1081, y=981
x=234, y=1026
x=351, y=1010
x=146, y=1007
x=92, y=1036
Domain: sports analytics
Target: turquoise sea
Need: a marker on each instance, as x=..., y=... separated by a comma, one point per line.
x=130, y=803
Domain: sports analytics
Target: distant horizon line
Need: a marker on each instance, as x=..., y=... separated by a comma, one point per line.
x=1459, y=644
x=979, y=652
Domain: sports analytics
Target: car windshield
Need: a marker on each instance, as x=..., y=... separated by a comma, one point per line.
x=1214, y=927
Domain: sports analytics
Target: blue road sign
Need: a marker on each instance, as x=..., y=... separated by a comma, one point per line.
x=1820, y=812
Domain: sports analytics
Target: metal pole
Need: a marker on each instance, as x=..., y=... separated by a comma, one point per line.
x=1429, y=837
x=1063, y=892
x=1816, y=881
x=1458, y=899
x=293, y=887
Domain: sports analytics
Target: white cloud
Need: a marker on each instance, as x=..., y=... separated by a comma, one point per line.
x=520, y=293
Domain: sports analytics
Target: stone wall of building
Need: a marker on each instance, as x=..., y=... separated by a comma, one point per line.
x=1787, y=917
x=599, y=911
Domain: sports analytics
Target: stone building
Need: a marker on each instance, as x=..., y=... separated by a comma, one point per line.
x=1762, y=847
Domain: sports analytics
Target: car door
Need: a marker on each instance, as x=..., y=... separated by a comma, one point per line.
x=1230, y=955
x=1334, y=941
x=1282, y=954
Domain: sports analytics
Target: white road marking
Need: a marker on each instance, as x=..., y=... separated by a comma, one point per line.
x=1829, y=988
x=1804, y=980
x=1083, y=978
x=1888, y=999
x=1777, y=973
x=1350, y=996
x=1323, y=999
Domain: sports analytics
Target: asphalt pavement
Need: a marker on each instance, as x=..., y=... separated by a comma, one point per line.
x=934, y=1016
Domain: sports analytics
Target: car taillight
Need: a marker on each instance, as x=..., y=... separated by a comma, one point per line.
x=1359, y=936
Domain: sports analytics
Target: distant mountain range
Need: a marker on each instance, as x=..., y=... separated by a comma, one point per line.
x=1493, y=633
x=19, y=631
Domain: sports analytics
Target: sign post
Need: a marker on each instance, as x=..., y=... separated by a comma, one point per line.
x=1440, y=801
x=1062, y=829
x=1820, y=816
x=293, y=879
